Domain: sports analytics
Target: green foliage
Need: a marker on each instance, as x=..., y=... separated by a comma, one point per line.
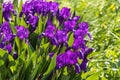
x=33, y=61
x=0, y=13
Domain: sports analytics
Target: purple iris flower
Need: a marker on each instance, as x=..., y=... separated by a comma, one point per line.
x=54, y=6
x=71, y=57
x=65, y=12
x=6, y=32
x=66, y=59
x=83, y=26
x=79, y=44
x=33, y=21
x=8, y=8
x=79, y=33
x=27, y=8
x=45, y=8
x=38, y=7
x=22, y=32
x=83, y=56
x=69, y=25
x=61, y=36
x=50, y=30
x=61, y=60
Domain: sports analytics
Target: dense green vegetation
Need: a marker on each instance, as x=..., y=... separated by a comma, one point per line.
x=103, y=17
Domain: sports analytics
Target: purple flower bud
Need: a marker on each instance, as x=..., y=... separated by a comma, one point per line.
x=8, y=48
x=22, y=32
x=51, y=54
x=76, y=18
x=83, y=65
x=77, y=68
x=2, y=44
x=65, y=12
x=15, y=55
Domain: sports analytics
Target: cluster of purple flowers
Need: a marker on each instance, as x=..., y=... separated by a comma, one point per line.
x=57, y=35
x=7, y=36
x=39, y=7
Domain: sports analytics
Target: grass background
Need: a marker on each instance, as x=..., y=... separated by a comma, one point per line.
x=103, y=17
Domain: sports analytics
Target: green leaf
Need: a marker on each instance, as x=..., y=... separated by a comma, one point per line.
x=94, y=76
x=65, y=71
x=13, y=27
x=103, y=78
x=71, y=39
x=44, y=23
x=10, y=58
x=51, y=66
x=92, y=54
x=16, y=75
x=15, y=2
x=39, y=27
x=0, y=77
x=20, y=6
x=1, y=1
x=45, y=45
x=2, y=52
x=84, y=75
x=1, y=62
x=65, y=77
x=17, y=41
x=34, y=73
x=55, y=22
x=27, y=68
x=23, y=23
x=1, y=13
